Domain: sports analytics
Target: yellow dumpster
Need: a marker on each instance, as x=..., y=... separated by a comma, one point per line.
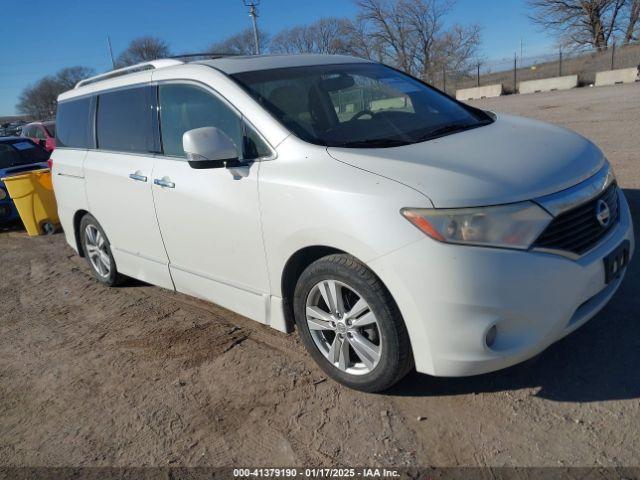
x=32, y=194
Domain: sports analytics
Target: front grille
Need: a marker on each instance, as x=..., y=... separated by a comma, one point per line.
x=578, y=230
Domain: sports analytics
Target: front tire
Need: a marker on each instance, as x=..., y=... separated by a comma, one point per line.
x=350, y=324
x=97, y=251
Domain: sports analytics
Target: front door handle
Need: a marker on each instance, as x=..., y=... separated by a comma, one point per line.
x=138, y=177
x=164, y=182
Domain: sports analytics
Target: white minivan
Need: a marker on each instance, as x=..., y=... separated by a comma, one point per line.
x=392, y=225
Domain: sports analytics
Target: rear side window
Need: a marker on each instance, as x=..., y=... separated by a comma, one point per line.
x=125, y=121
x=74, y=124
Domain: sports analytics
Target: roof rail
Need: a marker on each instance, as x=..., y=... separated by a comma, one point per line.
x=139, y=67
x=207, y=55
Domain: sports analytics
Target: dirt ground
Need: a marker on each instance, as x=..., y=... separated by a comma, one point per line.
x=139, y=376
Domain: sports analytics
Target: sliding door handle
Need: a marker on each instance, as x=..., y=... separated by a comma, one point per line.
x=137, y=177
x=164, y=182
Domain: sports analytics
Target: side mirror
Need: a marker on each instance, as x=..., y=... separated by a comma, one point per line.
x=42, y=143
x=208, y=147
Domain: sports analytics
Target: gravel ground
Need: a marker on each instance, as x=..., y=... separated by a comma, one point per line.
x=139, y=376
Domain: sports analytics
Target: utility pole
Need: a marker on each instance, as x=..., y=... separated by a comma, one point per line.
x=560, y=61
x=444, y=78
x=613, y=54
x=113, y=62
x=253, y=13
x=521, y=44
x=515, y=72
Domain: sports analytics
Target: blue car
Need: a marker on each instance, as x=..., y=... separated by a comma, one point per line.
x=17, y=155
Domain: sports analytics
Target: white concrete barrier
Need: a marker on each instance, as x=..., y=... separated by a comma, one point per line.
x=549, y=84
x=613, y=77
x=476, y=93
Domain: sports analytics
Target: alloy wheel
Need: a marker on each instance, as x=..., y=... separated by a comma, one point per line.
x=97, y=251
x=343, y=327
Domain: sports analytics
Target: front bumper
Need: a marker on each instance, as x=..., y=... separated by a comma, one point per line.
x=450, y=296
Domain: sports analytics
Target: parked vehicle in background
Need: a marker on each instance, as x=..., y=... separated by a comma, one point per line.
x=12, y=129
x=42, y=133
x=392, y=224
x=17, y=155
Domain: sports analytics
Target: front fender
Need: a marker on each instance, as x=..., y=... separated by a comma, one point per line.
x=307, y=198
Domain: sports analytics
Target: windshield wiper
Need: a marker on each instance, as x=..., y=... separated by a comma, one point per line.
x=451, y=128
x=374, y=143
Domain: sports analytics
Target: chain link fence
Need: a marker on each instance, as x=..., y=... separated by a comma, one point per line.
x=511, y=71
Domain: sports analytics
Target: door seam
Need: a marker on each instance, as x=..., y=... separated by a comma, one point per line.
x=155, y=212
x=264, y=247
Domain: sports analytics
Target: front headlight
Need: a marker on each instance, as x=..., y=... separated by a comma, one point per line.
x=509, y=226
x=3, y=194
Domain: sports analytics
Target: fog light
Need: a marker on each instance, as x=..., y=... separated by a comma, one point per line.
x=490, y=338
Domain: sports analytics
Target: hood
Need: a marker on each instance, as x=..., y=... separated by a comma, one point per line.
x=510, y=160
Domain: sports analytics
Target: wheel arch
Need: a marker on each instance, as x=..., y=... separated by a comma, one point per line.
x=293, y=268
x=296, y=264
x=304, y=257
x=77, y=218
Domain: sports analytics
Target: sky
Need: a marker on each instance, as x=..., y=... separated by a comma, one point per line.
x=62, y=33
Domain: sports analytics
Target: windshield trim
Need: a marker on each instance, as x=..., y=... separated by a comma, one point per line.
x=484, y=118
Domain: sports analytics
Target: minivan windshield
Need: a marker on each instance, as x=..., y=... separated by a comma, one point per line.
x=360, y=105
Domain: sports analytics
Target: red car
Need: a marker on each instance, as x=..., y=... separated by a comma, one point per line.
x=42, y=133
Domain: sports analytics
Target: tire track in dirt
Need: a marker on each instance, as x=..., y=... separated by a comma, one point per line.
x=184, y=381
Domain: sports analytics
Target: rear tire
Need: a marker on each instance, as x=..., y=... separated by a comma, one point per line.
x=97, y=251
x=350, y=324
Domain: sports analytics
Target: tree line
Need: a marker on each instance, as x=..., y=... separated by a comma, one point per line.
x=415, y=36
x=593, y=23
x=412, y=35
x=39, y=100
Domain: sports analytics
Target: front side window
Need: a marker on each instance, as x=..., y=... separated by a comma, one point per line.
x=357, y=105
x=125, y=121
x=185, y=107
x=75, y=125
